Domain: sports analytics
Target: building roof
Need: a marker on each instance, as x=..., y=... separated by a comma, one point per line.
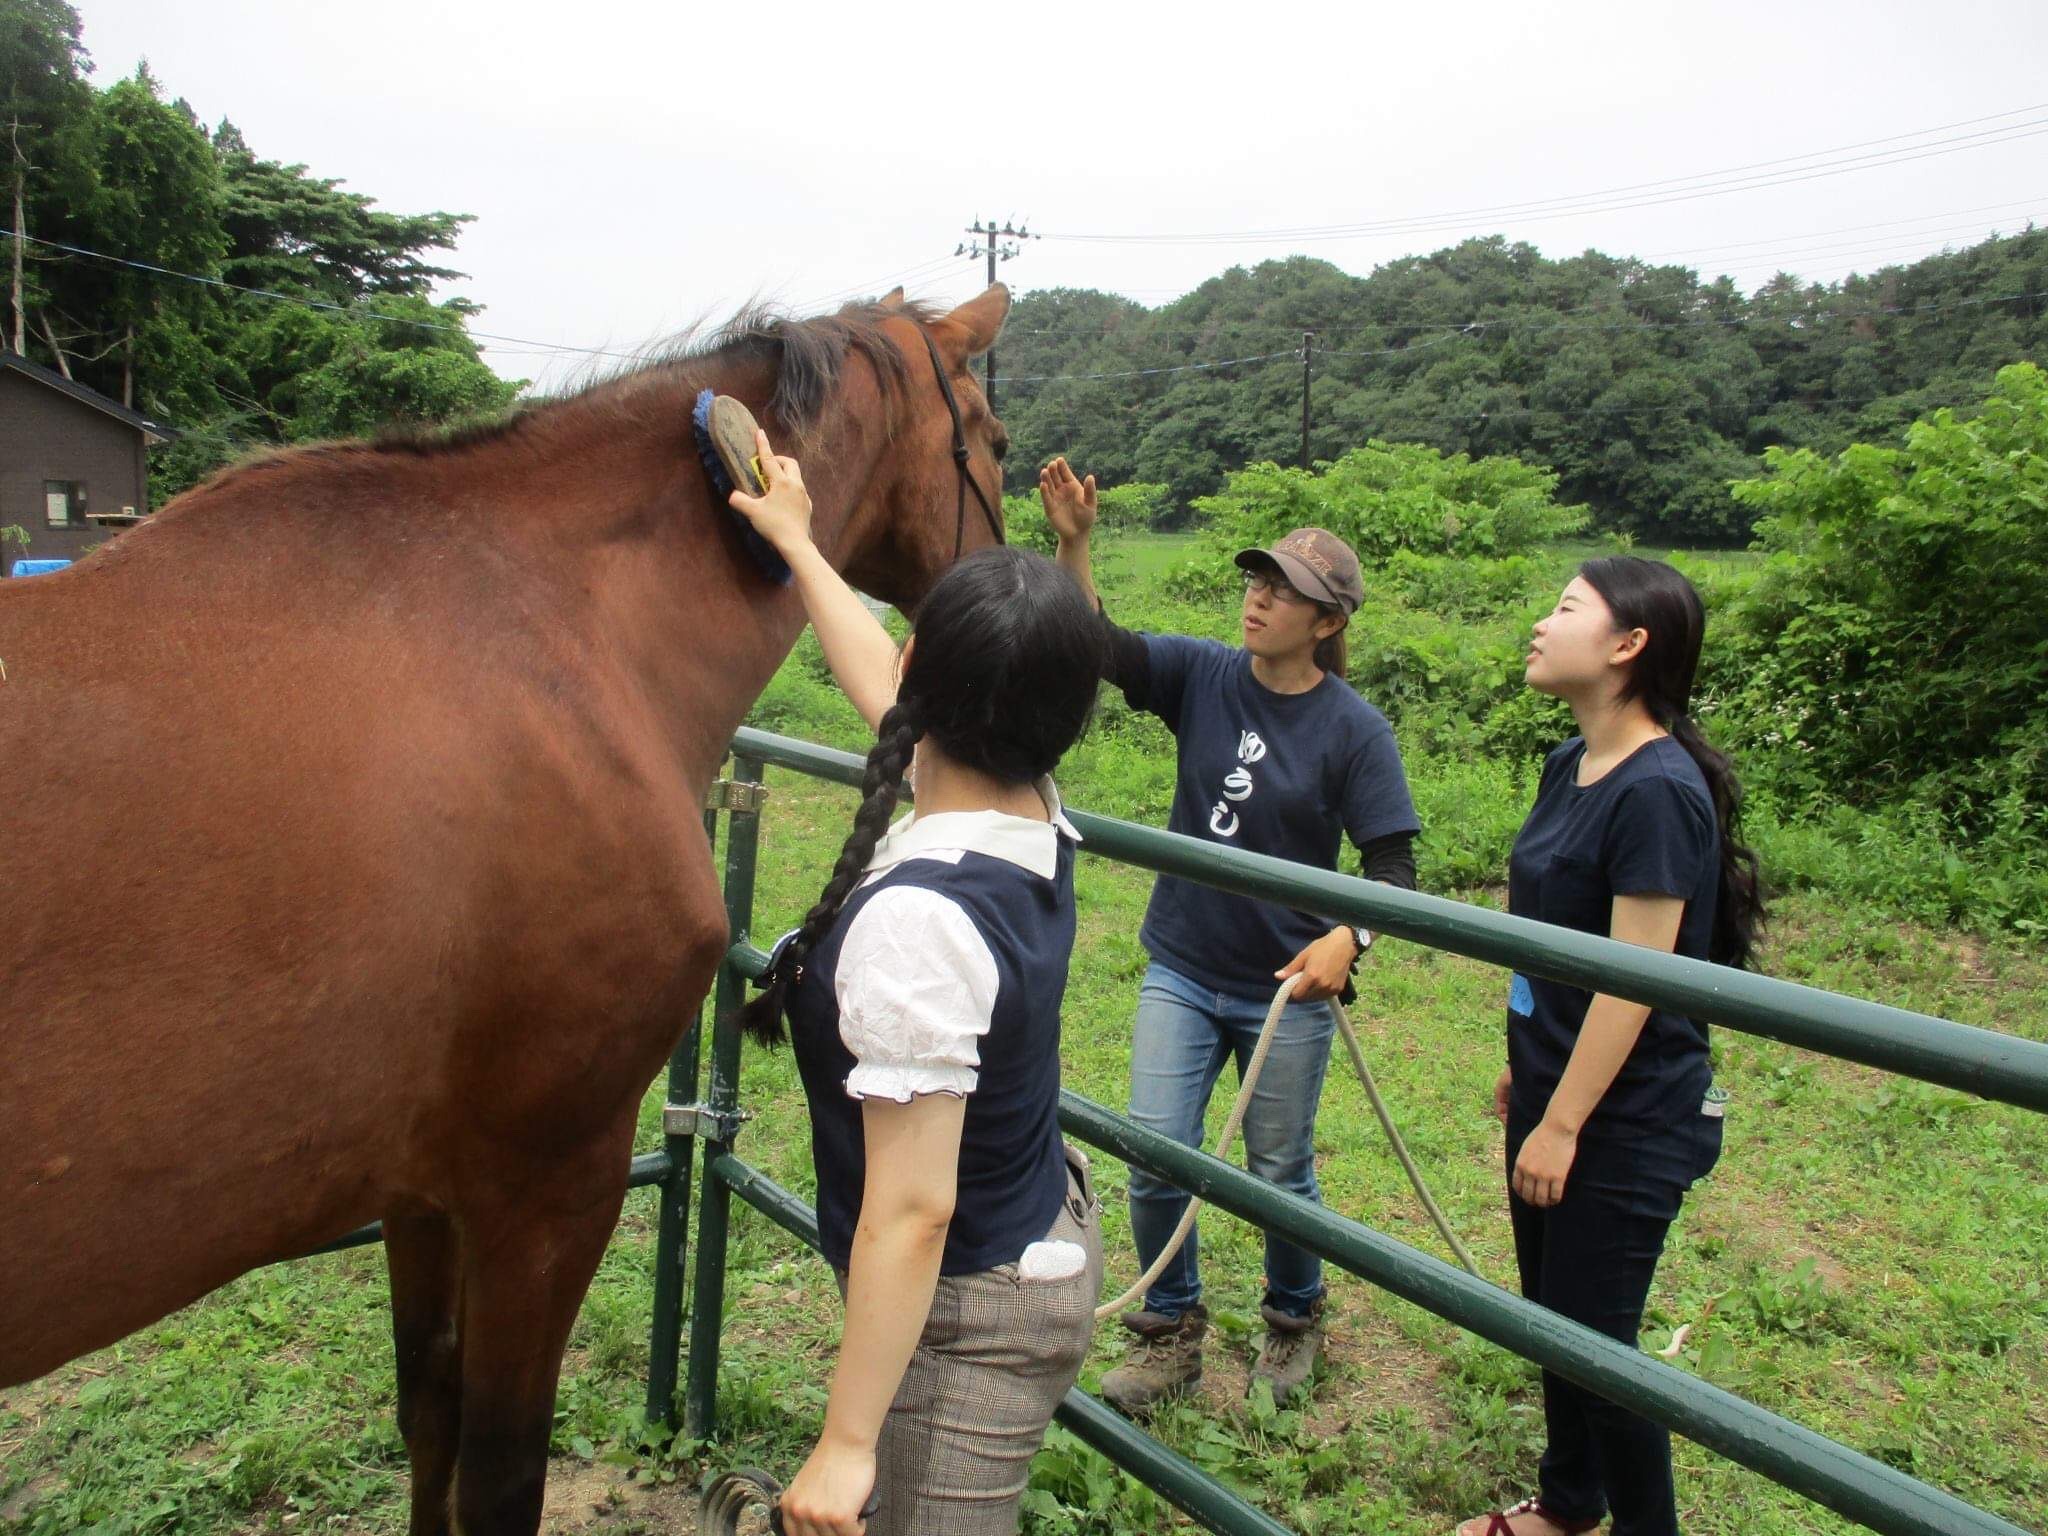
x=14, y=362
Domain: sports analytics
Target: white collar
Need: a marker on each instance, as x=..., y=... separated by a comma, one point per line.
x=1019, y=840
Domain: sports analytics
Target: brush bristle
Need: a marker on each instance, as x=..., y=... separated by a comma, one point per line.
x=772, y=565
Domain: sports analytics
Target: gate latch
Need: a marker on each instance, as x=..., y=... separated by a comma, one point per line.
x=703, y=1121
x=735, y=795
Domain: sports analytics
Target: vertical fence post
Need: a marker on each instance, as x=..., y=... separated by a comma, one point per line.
x=672, y=1238
x=707, y=1307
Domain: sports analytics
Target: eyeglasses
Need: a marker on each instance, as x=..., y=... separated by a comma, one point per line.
x=1282, y=590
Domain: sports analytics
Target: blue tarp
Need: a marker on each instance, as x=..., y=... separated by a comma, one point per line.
x=38, y=567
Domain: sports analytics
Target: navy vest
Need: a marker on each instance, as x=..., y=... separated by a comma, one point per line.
x=1012, y=1172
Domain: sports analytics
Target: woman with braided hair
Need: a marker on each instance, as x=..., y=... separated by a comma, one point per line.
x=922, y=994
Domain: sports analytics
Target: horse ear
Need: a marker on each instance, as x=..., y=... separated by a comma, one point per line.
x=972, y=329
x=893, y=299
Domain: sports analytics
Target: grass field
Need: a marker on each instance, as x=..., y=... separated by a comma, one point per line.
x=1868, y=1259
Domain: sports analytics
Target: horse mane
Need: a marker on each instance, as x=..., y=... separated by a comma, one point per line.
x=807, y=356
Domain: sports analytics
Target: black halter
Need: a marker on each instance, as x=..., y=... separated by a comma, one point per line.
x=967, y=480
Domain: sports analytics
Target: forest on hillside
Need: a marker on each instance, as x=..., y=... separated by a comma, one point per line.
x=1648, y=389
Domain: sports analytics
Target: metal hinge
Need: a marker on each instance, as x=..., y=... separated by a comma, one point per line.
x=735, y=795
x=703, y=1122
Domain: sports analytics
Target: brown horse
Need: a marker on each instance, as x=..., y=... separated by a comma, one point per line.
x=356, y=866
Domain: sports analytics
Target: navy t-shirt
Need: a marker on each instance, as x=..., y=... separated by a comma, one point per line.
x=1646, y=827
x=1284, y=774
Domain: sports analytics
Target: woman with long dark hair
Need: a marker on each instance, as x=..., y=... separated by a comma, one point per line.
x=923, y=995
x=1276, y=753
x=1610, y=1105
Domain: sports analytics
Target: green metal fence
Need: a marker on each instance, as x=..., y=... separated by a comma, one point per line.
x=1979, y=1061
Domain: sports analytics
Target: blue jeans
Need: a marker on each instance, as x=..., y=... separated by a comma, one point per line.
x=1184, y=1033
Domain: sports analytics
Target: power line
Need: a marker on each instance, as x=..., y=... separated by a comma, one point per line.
x=879, y=284
x=1639, y=186
x=304, y=302
x=1710, y=184
x=1139, y=373
x=509, y=345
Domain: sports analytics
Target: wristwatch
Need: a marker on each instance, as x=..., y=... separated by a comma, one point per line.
x=1363, y=936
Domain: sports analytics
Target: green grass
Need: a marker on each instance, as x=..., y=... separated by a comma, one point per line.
x=1871, y=1249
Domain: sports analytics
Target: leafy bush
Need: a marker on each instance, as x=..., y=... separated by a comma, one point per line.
x=1896, y=645
x=1024, y=524
x=1121, y=508
x=1386, y=498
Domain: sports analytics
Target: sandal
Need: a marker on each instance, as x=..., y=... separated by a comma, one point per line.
x=1497, y=1522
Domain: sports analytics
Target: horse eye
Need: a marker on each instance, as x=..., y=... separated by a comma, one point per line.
x=1001, y=446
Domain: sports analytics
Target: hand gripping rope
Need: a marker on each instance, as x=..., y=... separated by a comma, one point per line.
x=1236, y=1118
x=731, y=1494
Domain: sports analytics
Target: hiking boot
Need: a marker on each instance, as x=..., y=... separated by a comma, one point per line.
x=1291, y=1349
x=1165, y=1358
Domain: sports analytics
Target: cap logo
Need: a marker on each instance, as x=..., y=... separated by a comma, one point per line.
x=1305, y=551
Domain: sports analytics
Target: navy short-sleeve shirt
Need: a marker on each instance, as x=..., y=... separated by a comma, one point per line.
x=1647, y=827
x=1285, y=774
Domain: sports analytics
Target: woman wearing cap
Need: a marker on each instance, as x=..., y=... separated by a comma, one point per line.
x=1278, y=755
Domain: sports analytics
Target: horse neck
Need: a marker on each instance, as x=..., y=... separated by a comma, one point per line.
x=672, y=592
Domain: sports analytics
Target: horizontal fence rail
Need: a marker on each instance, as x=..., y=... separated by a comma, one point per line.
x=1918, y=1045
x=1846, y=1481
x=1978, y=1061
x=647, y=1168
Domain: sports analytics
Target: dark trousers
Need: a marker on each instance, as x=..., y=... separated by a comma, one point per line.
x=1590, y=1258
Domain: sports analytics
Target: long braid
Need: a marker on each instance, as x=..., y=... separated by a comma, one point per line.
x=888, y=760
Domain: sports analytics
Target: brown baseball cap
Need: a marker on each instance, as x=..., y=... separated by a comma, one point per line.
x=1316, y=563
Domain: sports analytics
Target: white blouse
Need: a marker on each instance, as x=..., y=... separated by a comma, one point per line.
x=916, y=983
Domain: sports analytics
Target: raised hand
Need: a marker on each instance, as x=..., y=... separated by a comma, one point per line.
x=1068, y=499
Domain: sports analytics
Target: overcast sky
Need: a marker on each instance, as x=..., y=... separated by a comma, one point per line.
x=636, y=165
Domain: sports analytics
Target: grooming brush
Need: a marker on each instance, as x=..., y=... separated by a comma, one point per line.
x=725, y=430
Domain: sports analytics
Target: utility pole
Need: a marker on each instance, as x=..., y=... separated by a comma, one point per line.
x=20, y=169
x=1308, y=342
x=996, y=245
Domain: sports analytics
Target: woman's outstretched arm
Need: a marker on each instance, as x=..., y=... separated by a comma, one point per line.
x=858, y=650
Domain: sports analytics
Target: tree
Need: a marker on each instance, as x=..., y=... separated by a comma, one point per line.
x=45, y=104
x=293, y=232
x=155, y=200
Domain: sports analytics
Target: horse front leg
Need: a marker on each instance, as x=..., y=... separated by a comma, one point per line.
x=525, y=1268
x=424, y=1257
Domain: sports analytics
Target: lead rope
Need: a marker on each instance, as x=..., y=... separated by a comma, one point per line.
x=1236, y=1118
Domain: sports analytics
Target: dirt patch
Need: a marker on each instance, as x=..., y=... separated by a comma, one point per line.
x=26, y=1497
x=34, y=1400
x=590, y=1497
x=1369, y=1364
x=1375, y=1365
